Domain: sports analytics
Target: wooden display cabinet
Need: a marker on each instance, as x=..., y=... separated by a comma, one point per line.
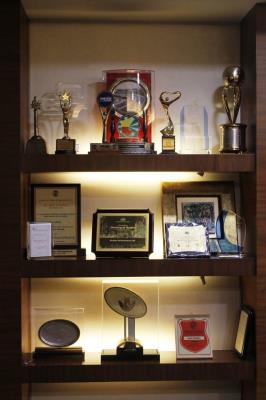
x=16, y=375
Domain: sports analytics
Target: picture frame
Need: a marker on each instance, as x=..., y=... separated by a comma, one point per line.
x=200, y=210
x=59, y=204
x=245, y=336
x=193, y=336
x=221, y=194
x=122, y=233
x=186, y=240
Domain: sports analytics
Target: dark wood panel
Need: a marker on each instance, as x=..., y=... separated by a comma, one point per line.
x=13, y=117
x=139, y=267
x=254, y=189
x=225, y=365
x=123, y=162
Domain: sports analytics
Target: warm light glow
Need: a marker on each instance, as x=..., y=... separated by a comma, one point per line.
x=125, y=281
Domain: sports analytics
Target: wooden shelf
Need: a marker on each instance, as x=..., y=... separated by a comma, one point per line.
x=107, y=267
x=225, y=365
x=150, y=162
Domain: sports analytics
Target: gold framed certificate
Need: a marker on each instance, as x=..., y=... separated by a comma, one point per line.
x=59, y=204
x=245, y=337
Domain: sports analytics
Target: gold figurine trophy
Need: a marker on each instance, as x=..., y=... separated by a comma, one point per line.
x=168, y=137
x=36, y=144
x=66, y=145
x=232, y=133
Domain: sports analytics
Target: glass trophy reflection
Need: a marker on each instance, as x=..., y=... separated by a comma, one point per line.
x=168, y=138
x=232, y=133
x=36, y=144
x=66, y=145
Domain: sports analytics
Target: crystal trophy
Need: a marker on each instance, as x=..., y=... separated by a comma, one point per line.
x=66, y=145
x=168, y=137
x=232, y=133
x=36, y=144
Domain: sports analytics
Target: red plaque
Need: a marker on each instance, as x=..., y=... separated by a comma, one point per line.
x=193, y=334
x=193, y=337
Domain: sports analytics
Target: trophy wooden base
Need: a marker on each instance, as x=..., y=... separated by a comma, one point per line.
x=46, y=352
x=168, y=144
x=65, y=146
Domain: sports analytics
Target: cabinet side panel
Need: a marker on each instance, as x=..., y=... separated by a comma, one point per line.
x=254, y=106
x=13, y=29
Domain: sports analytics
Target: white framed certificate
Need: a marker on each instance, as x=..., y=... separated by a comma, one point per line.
x=186, y=240
x=39, y=240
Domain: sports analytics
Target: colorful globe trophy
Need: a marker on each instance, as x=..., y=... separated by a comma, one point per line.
x=66, y=145
x=233, y=133
x=168, y=137
x=36, y=144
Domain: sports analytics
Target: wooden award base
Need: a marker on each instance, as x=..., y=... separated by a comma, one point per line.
x=65, y=146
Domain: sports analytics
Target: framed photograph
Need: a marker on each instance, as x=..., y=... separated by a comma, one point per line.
x=193, y=336
x=200, y=210
x=197, y=202
x=245, y=337
x=117, y=233
x=59, y=204
x=186, y=240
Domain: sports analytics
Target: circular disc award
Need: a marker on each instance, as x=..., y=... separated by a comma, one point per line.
x=59, y=333
x=125, y=302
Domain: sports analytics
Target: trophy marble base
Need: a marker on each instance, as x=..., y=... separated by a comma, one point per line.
x=65, y=146
x=136, y=148
x=232, y=138
x=145, y=355
x=45, y=352
x=103, y=147
x=36, y=145
x=168, y=144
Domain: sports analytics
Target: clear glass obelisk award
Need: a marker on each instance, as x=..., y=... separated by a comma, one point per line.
x=232, y=133
x=66, y=145
x=168, y=137
x=36, y=144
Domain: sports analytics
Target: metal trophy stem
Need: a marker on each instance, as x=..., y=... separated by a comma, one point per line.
x=36, y=144
x=232, y=134
x=168, y=138
x=66, y=145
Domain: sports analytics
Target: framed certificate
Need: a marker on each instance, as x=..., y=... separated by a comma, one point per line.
x=127, y=233
x=193, y=336
x=59, y=204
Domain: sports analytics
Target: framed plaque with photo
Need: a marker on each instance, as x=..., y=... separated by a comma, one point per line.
x=127, y=233
x=59, y=204
x=200, y=203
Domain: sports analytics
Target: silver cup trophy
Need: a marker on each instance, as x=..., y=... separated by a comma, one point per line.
x=168, y=137
x=232, y=139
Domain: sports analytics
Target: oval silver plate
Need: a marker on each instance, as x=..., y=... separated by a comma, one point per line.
x=59, y=333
